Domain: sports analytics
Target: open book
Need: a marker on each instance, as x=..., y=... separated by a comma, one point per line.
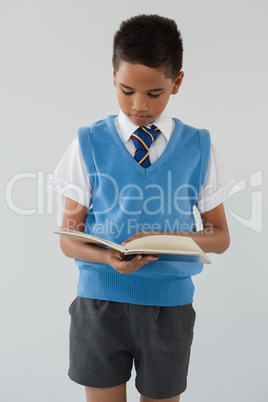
x=167, y=247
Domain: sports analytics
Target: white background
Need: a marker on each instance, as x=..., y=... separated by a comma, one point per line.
x=56, y=75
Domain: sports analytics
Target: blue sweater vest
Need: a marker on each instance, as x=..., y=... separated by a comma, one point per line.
x=128, y=199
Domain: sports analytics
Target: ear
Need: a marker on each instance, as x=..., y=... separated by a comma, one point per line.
x=114, y=75
x=177, y=83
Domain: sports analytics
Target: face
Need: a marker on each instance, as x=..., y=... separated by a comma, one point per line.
x=143, y=92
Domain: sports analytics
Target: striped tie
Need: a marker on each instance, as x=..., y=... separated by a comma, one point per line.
x=143, y=138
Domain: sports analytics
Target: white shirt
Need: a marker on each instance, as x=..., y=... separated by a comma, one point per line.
x=70, y=178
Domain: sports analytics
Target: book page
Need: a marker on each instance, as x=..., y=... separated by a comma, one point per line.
x=164, y=242
x=169, y=245
x=86, y=238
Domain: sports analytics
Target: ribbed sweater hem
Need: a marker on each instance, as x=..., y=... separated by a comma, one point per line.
x=146, y=289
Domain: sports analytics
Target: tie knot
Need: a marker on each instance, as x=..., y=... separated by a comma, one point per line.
x=143, y=138
x=147, y=132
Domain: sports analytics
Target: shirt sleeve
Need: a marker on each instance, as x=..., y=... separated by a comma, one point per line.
x=219, y=181
x=70, y=178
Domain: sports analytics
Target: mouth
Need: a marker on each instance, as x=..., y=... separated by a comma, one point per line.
x=139, y=117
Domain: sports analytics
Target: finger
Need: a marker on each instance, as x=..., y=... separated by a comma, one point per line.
x=136, y=236
x=152, y=257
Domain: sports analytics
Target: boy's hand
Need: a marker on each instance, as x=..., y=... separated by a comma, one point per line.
x=127, y=267
x=141, y=234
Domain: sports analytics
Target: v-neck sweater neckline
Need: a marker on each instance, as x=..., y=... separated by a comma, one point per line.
x=145, y=172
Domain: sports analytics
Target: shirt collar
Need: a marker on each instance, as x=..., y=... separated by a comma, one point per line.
x=127, y=127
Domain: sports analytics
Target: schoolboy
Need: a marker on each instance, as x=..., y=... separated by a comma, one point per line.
x=139, y=310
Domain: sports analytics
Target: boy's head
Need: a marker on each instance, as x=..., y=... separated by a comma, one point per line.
x=147, y=63
x=151, y=40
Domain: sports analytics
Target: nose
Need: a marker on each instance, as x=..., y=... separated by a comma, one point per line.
x=139, y=104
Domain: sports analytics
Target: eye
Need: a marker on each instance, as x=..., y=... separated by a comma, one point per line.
x=127, y=93
x=154, y=96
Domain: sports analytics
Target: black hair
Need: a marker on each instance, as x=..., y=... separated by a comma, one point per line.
x=151, y=40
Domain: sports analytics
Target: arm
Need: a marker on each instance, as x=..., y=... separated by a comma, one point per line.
x=74, y=218
x=214, y=238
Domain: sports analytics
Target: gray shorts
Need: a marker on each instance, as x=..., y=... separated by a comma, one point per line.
x=106, y=337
